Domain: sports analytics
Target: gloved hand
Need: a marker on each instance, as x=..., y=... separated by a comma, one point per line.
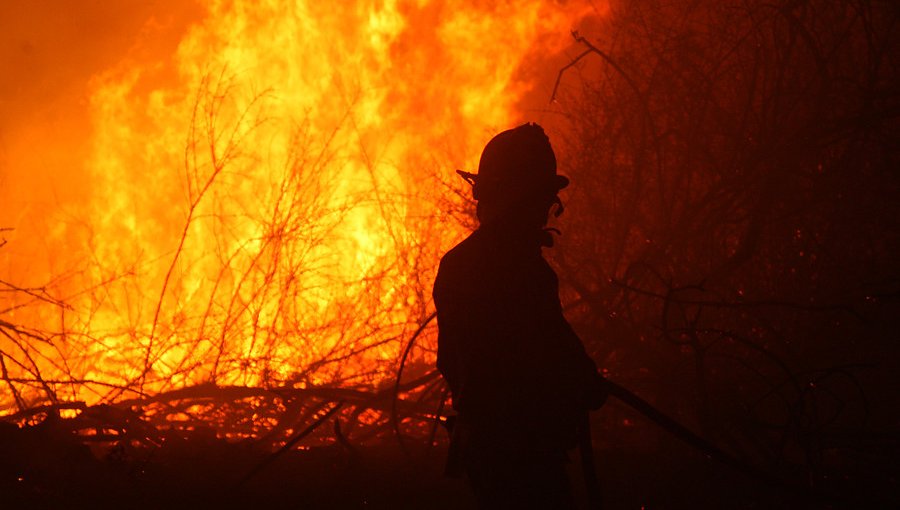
x=596, y=393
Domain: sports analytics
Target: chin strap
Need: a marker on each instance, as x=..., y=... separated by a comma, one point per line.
x=559, y=207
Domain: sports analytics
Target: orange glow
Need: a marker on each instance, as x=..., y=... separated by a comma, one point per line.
x=263, y=202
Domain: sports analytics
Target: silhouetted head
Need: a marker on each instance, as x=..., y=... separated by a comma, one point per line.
x=517, y=183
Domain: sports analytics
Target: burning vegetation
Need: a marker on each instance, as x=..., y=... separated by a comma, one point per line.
x=227, y=249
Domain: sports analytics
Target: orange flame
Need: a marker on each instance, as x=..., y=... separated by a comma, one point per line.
x=268, y=203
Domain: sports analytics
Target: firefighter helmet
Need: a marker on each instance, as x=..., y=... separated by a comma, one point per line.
x=517, y=159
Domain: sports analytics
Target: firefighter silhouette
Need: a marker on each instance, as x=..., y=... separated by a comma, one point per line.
x=519, y=376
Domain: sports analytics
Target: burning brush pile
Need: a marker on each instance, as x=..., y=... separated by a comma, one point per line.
x=241, y=242
x=218, y=240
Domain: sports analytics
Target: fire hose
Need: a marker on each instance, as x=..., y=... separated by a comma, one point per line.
x=675, y=428
x=650, y=412
x=624, y=395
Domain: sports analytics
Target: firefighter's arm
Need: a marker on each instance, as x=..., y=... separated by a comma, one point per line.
x=593, y=383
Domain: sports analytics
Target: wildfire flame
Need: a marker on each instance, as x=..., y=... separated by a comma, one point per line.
x=268, y=202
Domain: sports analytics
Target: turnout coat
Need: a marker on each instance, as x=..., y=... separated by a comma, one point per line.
x=519, y=375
